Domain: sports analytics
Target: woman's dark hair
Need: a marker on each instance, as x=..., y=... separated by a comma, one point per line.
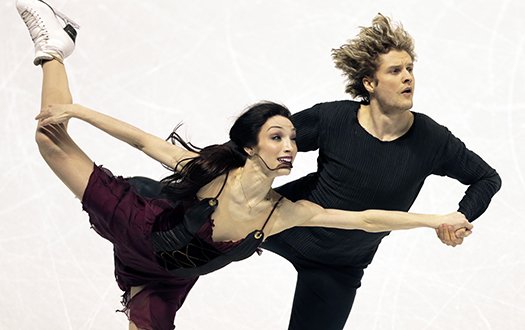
x=215, y=160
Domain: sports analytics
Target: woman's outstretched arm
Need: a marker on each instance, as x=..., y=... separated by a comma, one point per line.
x=153, y=146
x=305, y=213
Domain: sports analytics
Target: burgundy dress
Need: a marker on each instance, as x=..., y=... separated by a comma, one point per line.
x=128, y=220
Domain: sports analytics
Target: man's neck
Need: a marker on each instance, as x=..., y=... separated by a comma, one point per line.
x=384, y=125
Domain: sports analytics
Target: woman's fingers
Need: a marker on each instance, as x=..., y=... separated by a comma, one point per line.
x=52, y=114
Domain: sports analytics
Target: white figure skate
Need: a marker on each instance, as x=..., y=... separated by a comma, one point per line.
x=53, y=33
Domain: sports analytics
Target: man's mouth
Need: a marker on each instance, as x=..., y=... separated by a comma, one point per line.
x=406, y=91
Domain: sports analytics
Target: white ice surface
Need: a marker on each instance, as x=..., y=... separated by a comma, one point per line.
x=156, y=63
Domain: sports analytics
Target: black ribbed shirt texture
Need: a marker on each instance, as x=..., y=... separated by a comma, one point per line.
x=357, y=171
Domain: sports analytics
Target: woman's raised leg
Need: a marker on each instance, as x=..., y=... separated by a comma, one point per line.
x=57, y=148
x=53, y=42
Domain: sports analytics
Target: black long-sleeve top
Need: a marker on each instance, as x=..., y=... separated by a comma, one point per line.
x=357, y=171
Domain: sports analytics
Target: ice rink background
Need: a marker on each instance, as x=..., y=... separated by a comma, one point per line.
x=156, y=63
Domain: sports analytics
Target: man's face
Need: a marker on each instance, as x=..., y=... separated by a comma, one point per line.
x=393, y=85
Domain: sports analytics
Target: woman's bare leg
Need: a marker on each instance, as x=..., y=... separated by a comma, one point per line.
x=53, y=36
x=132, y=326
x=134, y=290
x=57, y=148
x=55, y=86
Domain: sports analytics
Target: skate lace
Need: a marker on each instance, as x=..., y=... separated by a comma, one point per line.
x=35, y=25
x=33, y=22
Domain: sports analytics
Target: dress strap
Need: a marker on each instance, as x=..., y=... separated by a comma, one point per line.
x=223, y=185
x=270, y=215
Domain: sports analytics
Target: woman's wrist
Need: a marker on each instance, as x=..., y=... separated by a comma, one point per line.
x=436, y=220
x=78, y=111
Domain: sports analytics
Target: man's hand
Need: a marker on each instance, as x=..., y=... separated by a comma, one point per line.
x=449, y=237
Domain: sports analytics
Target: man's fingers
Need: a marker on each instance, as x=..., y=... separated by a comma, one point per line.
x=460, y=233
x=453, y=237
x=444, y=235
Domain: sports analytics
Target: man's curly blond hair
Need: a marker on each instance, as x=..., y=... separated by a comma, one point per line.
x=358, y=58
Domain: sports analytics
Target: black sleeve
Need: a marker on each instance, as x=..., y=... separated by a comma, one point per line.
x=306, y=123
x=458, y=162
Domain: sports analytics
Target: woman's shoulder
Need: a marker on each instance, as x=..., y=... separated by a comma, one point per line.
x=290, y=214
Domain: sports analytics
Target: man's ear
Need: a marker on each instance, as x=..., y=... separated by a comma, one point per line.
x=369, y=84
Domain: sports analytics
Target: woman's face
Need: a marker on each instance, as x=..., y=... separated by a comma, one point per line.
x=276, y=145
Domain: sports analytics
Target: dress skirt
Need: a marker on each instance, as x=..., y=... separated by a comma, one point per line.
x=126, y=219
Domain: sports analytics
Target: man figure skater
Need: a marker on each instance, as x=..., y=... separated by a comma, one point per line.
x=375, y=153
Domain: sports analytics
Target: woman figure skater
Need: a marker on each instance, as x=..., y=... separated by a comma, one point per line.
x=217, y=207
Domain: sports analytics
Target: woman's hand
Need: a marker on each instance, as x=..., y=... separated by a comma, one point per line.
x=56, y=114
x=457, y=220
